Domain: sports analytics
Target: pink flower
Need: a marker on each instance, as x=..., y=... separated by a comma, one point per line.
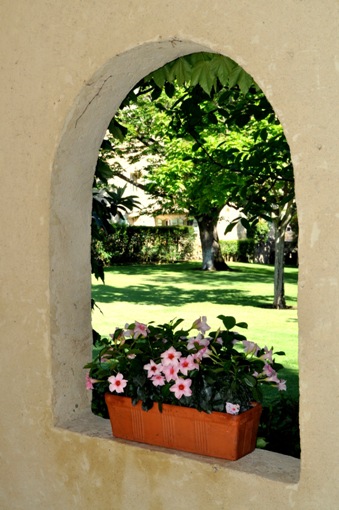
x=182, y=387
x=127, y=332
x=117, y=383
x=201, y=325
x=170, y=357
x=90, y=382
x=170, y=372
x=140, y=330
x=202, y=353
x=250, y=347
x=186, y=364
x=282, y=385
x=158, y=380
x=232, y=408
x=270, y=373
x=267, y=354
x=196, y=341
x=153, y=368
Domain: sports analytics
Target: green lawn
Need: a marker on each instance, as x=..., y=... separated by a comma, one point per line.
x=160, y=293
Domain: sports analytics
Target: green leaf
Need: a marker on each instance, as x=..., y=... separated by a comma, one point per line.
x=103, y=171
x=261, y=443
x=245, y=82
x=242, y=325
x=202, y=75
x=229, y=322
x=231, y=226
x=181, y=71
x=106, y=145
x=223, y=68
x=159, y=76
x=250, y=380
x=169, y=89
x=263, y=134
x=245, y=223
x=117, y=130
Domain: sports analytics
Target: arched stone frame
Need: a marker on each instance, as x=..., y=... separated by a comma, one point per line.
x=71, y=190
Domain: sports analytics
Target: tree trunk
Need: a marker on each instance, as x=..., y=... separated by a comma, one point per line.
x=280, y=222
x=212, y=259
x=279, y=287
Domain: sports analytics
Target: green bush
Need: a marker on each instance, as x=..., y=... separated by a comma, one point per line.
x=144, y=244
x=239, y=250
x=279, y=427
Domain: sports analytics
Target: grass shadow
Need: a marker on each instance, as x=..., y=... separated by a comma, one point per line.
x=179, y=284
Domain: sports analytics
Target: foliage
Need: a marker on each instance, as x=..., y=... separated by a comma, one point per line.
x=188, y=120
x=238, y=250
x=208, y=70
x=108, y=201
x=164, y=364
x=136, y=244
x=279, y=426
x=261, y=231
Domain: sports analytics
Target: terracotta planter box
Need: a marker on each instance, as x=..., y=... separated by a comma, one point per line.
x=218, y=435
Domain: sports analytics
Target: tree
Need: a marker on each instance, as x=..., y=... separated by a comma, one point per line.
x=186, y=171
x=267, y=163
x=189, y=119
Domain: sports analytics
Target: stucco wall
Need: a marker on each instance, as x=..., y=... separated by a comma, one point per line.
x=65, y=67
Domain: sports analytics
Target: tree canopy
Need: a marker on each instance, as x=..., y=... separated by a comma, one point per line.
x=208, y=137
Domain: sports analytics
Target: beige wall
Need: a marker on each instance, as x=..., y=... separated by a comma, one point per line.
x=65, y=67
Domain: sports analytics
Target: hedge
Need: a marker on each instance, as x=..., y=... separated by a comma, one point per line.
x=239, y=250
x=127, y=243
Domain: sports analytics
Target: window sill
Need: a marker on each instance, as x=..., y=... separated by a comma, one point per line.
x=260, y=463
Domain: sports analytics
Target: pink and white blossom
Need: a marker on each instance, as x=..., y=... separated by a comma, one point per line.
x=140, y=329
x=170, y=357
x=267, y=354
x=201, y=324
x=202, y=353
x=117, y=383
x=127, y=332
x=153, y=368
x=170, y=372
x=182, y=387
x=232, y=408
x=89, y=382
x=197, y=341
x=187, y=363
x=250, y=347
x=282, y=385
x=158, y=380
x=271, y=374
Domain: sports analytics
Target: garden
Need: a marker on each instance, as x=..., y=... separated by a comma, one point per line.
x=161, y=293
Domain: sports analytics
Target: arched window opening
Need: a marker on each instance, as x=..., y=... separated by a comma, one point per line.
x=71, y=202
x=208, y=148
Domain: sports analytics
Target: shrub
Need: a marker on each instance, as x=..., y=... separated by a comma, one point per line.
x=279, y=426
x=239, y=250
x=145, y=244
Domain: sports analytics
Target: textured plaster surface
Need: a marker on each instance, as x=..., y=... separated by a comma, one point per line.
x=65, y=67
